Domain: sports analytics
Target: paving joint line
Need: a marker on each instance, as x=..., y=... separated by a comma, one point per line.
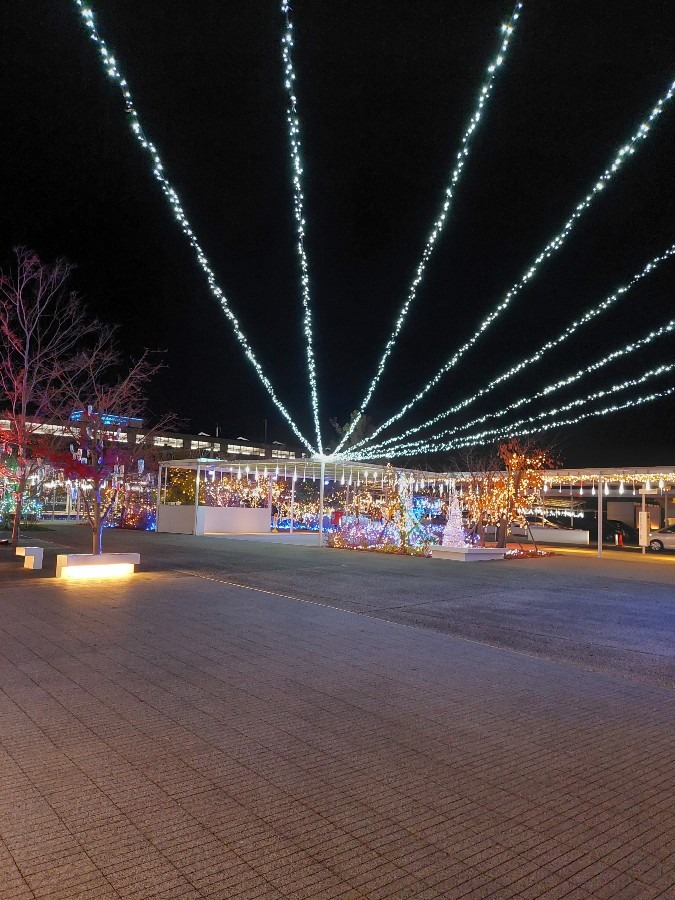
x=417, y=627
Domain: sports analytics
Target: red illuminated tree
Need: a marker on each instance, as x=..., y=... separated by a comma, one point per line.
x=61, y=368
x=41, y=326
x=104, y=397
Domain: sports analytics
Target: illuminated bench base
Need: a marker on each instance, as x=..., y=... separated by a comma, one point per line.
x=32, y=557
x=468, y=554
x=81, y=566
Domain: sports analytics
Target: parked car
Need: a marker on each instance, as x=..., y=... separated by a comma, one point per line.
x=610, y=529
x=664, y=539
x=519, y=526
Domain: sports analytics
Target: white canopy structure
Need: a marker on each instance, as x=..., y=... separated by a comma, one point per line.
x=568, y=484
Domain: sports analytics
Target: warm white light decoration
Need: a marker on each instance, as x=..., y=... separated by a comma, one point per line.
x=588, y=316
x=298, y=208
x=114, y=72
x=462, y=155
x=549, y=250
x=549, y=389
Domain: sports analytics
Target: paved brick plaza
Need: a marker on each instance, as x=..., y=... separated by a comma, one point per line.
x=178, y=736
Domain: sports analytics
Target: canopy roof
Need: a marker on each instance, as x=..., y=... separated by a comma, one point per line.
x=311, y=468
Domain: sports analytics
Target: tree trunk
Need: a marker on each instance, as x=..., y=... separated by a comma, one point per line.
x=16, y=525
x=97, y=527
x=501, y=531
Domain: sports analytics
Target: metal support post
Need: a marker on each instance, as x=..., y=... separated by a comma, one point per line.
x=323, y=475
x=600, y=489
x=196, y=499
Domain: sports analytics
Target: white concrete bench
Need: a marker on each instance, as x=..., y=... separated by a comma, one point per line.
x=102, y=565
x=468, y=554
x=32, y=557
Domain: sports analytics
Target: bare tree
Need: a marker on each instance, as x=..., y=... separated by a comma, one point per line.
x=41, y=325
x=362, y=429
x=104, y=404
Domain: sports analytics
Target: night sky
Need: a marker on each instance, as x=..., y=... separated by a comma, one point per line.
x=385, y=90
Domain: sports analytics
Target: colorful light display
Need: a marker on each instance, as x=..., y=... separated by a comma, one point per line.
x=397, y=530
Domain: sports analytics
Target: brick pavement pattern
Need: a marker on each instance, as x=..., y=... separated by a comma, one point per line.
x=175, y=736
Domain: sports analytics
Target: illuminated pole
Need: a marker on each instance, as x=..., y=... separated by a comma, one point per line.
x=196, y=500
x=323, y=475
x=600, y=486
x=292, y=499
x=644, y=512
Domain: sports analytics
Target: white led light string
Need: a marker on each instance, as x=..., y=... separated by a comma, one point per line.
x=298, y=210
x=668, y=328
x=437, y=228
x=559, y=423
x=113, y=71
x=588, y=316
x=553, y=246
x=515, y=428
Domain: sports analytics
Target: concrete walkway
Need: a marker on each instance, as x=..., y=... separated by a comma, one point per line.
x=177, y=736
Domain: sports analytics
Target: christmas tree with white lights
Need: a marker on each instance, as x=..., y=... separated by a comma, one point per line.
x=453, y=533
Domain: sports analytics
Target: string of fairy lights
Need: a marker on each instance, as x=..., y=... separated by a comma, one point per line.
x=419, y=446
x=522, y=430
x=293, y=120
x=522, y=426
x=113, y=71
x=633, y=346
x=493, y=69
x=368, y=447
x=628, y=149
x=590, y=314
